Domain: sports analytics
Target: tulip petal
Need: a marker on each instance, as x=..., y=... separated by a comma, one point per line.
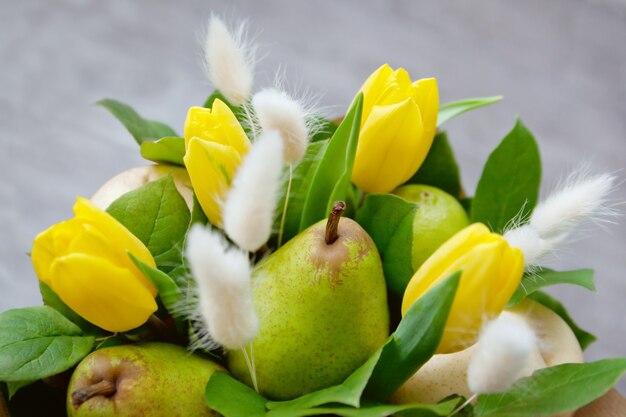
x=50, y=244
x=211, y=167
x=426, y=95
x=217, y=124
x=88, y=213
x=108, y=296
x=90, y=241
x=372, y=89
x=433, y=269
x=389, y=141
x=492, y=271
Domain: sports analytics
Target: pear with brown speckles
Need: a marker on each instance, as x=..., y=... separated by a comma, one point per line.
x=322, y=304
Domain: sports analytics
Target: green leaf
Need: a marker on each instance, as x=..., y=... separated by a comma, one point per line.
x=553, y=390
x=323, y=128
x=546, y=277
x=373, y=410
x=169, y=150
x=14, y=386
x=51, y=299
x=440, y=168
x=331, y=181
x=169, y=292
x=142, y=130
x=37, y=342
x=509, y=184
x=450, y=110
x=158, y=215
x=347, y=393
x=584, y=338
x=302, y=175
x=232, y=398
x=197, y=214
x=414, y=341
x=388, y=219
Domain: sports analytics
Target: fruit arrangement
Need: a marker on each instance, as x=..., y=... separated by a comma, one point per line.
x=275, y=262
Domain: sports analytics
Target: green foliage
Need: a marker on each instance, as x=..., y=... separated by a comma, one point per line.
x=546, y=277
x=450, y=110
x=141, y=129
x=323, y=128
x=51, y=299
x=414, y=341
x=331, y=179
x=302, y=176
x=158, y=215
x=509, y=185
x=169, y=293
x=232, y=398
x=37, y=342
x=348, y=393
x=584, y=338
x=440, y=168
x=388, y=219
x=553, y=390
x=372, y=410
x=169, y=150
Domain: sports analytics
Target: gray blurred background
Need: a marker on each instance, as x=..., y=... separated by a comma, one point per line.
x=560, y=64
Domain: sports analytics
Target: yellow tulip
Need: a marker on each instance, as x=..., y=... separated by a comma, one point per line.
x=398, y=125
x=215, y=143
x=85, y=261
x=491, y=272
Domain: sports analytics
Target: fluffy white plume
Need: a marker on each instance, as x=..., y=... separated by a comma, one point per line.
x=276, y=110
x=222, y=275
x=501, y=356
x=248, y=211
x=228, y=61
x=582, y=198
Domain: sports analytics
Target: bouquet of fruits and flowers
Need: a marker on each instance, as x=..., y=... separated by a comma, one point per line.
x=276, y=262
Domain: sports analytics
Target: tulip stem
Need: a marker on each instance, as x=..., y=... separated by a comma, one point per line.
x=332, y=225
x=104, y=387
x=281, y=230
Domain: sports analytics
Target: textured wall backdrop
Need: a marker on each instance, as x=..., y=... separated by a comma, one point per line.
x=561, y=66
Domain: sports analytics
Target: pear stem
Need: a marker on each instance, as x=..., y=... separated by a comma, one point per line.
x=333, y=222
x=104, y=387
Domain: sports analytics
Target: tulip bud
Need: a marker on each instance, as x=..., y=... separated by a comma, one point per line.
x=398, y=125
x=215, y=143
x=491, y=272
x=85, y=261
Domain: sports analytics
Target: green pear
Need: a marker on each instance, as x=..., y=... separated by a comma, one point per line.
x=151, y=379
x=322, y=305
x=438, y=217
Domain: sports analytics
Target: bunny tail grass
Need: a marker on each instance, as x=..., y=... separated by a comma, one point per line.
x=222, y=276
x=248, y=211
x=582, y=198
x=276, y=110
x=501, y=355
x=229, y=61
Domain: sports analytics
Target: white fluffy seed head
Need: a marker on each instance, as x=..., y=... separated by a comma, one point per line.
x=276, y=110
x=580, y=199
x=225, y=313
x=502, y=354
x=229, y=60
x=248, y=211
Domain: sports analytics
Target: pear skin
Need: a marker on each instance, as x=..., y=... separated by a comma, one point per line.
x=322, y=310
x=151, y=379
